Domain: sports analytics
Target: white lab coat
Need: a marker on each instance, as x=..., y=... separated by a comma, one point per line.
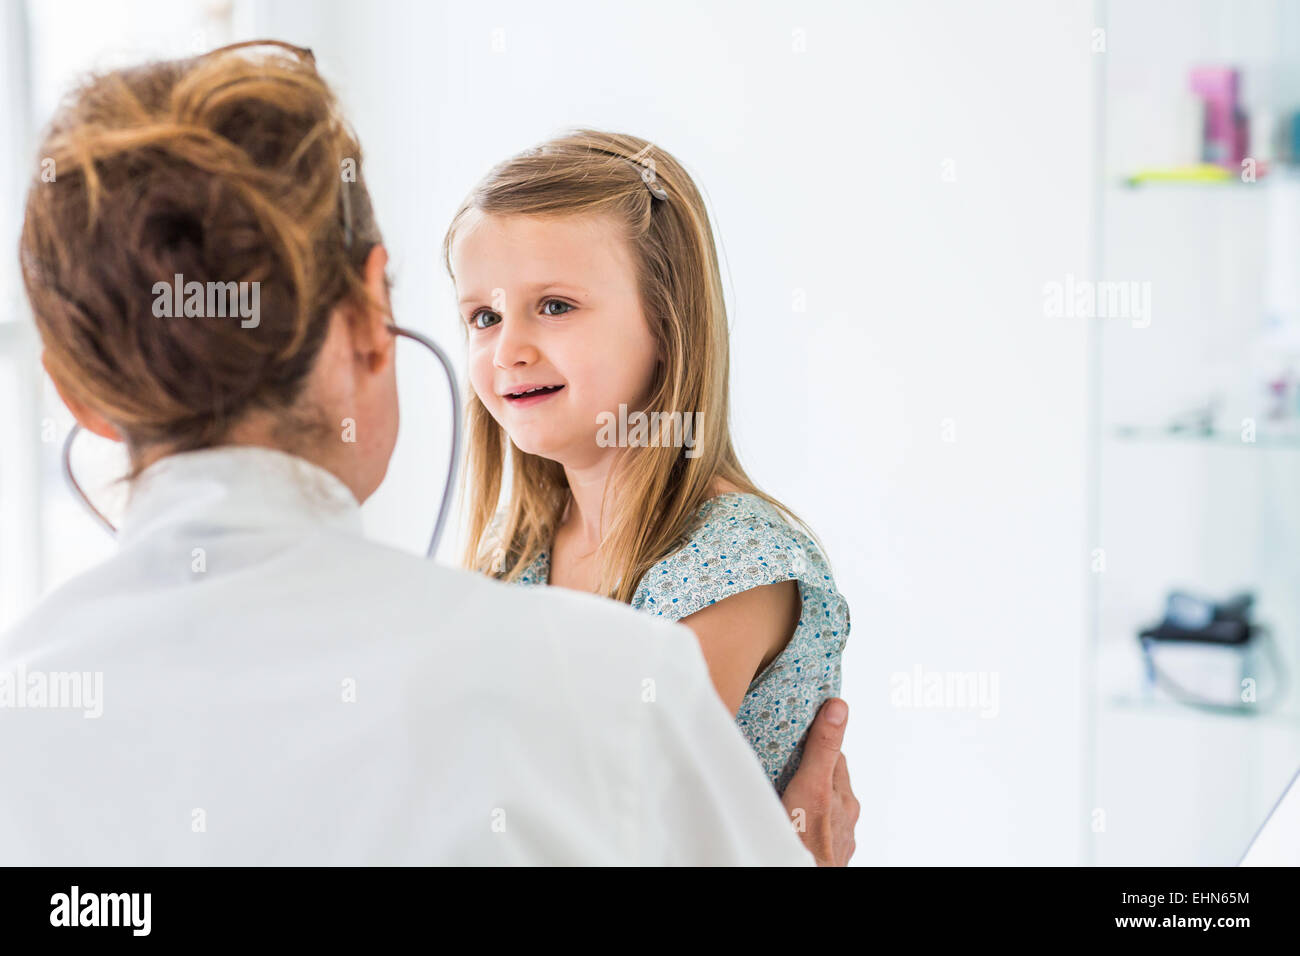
x=276, y=689
x=1278, y=841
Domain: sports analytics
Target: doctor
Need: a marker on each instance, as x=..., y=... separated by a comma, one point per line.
x=249, y=680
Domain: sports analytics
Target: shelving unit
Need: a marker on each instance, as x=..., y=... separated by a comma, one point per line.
x=1192, y=507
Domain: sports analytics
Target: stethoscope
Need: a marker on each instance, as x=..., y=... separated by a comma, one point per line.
x=443, y=509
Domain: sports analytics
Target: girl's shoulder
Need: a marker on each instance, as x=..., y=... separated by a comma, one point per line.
x=738, y=541
x=737, y=525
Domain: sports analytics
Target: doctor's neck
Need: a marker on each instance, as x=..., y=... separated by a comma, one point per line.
x=344, y=420
x=260, y=430
x=268, y=433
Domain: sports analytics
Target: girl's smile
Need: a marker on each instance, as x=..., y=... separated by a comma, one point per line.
x=525, y=396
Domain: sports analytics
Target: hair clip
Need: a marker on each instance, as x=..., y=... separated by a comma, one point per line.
x=647, y=176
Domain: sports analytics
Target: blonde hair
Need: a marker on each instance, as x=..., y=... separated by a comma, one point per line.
x=593, y=172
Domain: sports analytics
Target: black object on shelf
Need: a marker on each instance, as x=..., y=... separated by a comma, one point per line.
x=1191, y=618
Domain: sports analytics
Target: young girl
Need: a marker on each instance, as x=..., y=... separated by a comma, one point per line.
x=589, y=286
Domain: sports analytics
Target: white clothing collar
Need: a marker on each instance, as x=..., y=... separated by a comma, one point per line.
x=239, y=486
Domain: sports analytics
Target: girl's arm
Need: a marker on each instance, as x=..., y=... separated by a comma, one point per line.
x=742, y=634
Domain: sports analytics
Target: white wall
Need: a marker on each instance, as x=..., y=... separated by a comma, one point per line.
x=923, y=303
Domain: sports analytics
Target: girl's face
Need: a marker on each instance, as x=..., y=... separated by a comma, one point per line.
x=552, y=302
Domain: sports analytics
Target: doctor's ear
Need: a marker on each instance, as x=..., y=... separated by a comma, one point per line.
x=369, y=319
x=86, y=416
x=374, y=273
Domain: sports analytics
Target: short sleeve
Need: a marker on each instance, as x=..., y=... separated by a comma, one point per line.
x=741, y=543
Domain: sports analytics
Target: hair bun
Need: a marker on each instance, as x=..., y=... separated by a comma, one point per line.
x=222, y=169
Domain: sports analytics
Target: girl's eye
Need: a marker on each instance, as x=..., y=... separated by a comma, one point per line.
x=483, y=319
x=546, y=307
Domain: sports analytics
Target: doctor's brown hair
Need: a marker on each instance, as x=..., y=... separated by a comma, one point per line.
x=591, y=172
x=227, y=167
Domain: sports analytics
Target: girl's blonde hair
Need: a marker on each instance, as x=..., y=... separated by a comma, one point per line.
x=613, y=174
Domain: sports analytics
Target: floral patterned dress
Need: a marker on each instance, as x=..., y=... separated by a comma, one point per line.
x=741, y=542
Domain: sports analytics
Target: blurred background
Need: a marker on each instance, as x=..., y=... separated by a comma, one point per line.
x=1015, y=301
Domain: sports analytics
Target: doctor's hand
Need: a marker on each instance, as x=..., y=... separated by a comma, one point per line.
x=819, y=800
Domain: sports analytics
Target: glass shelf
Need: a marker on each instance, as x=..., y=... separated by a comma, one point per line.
x=1204, y=177
x=1130, y=184
x=1137, y=704
x=1153, y=433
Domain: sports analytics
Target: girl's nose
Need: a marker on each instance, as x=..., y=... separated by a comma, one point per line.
x=515, y=346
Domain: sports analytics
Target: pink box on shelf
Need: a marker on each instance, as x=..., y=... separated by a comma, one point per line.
x=1224, y=138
